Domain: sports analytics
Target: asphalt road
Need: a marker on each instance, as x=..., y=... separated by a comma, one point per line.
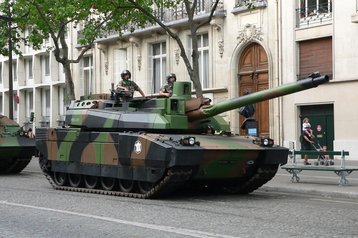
x=29, y=207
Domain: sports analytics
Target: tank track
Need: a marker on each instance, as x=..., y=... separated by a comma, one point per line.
x=173, y=179
x=263, y=174
x=14, y=166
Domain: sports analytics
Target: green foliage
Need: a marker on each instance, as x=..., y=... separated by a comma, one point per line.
x=9, y=14
x=52, y=19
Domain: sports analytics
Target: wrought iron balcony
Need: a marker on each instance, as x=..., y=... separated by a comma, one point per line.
x=253, y=3
x=246, y=5
x=314, y=14
x=171, y=17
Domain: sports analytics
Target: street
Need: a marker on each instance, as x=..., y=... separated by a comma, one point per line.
x=30, y=207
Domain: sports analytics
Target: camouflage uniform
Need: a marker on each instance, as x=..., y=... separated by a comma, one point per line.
x=167, y=88
x=130, y=85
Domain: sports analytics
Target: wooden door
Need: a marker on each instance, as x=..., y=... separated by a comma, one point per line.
x=253, y=77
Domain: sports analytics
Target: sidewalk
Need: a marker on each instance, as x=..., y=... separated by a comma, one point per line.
x=315, y=183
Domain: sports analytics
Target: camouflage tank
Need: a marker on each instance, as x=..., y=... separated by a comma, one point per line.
x=16, y=147
x=148, y=147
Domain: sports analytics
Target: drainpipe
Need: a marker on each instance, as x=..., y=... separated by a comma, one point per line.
x=279, y=66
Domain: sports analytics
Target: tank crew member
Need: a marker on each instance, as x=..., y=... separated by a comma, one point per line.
x=167, y=89
x=127, y=85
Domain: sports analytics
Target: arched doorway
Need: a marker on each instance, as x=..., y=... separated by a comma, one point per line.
x=253, y=77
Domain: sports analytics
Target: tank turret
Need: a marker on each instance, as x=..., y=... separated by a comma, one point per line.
x=147, y=147
x=16, y=146
x=177, y=113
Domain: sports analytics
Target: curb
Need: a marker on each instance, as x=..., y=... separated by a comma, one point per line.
x=350, y=195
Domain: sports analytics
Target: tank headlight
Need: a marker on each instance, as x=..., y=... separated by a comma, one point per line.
x=265, y=142
x=188, y=141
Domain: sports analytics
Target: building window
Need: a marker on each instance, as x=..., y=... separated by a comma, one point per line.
x=203, y=51
x=315, y=55
x=201, y=6
x=314, y=11
x=46, y=108
x=28, y=69
x=28, y=47
x=120, y=63
x=159, y=62
x=87, y=71
x=47, y=65
x=63, y=102
x=48, y=100
x=0, y=73
x=14, y=71
x=29, y=97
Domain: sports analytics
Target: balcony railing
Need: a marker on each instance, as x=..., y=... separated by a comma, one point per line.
x=253, y=3
x=314, y=14
x=165, y=15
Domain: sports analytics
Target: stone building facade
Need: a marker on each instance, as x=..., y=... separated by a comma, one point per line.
x=320, y=36
x=241, y=51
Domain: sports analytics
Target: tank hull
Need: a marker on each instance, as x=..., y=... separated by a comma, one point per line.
x=151, y=159
x=15, y=153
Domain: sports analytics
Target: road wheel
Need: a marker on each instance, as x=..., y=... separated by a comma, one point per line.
x=126, y=185
x=145, y=187
x=75, y=180
x=91, y=181
x=60, y=179
x=108, y=184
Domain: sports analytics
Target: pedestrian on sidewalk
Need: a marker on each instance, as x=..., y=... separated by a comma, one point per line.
x=306, y=142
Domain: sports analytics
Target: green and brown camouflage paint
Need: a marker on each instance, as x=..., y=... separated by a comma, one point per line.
x=141, y=141
x=16, y=149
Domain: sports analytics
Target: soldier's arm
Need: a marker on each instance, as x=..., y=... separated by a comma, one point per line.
x=141, y=92
x=163, y=91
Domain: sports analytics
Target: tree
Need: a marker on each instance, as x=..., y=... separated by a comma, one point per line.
x=146, y=7
x=49, y=18
x=10, y=41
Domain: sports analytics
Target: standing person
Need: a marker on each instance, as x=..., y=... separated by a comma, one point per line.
x=167, y=89
x=306, y=142
x=127, y=85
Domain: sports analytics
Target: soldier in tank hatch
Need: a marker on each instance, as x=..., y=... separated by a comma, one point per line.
x=127, y=85
x=167, y=89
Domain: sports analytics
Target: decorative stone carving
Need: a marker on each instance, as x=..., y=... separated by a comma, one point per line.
x=218, y=23
x=177, y=55
x=220, y=5
x=221, y=47
x=249, y=33
x=138, y=43
x=139, y=62
x=106, y=67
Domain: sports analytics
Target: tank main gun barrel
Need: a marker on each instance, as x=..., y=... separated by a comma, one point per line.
x=211, y=110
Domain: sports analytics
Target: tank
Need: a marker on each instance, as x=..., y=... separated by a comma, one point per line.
x=16, y=147
x=149, y=147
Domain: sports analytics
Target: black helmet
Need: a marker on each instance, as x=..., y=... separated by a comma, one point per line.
x=171, y=75
x=124, y=72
